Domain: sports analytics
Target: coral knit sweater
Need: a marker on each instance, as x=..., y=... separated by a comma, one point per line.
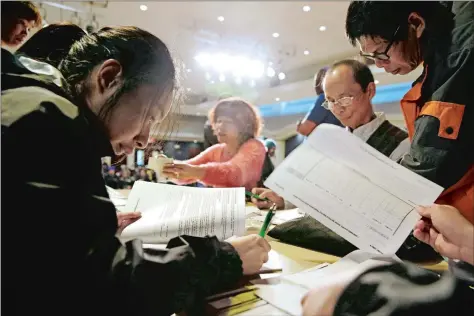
x=244, y=169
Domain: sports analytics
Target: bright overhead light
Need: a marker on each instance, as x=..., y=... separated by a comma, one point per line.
x=195, y=141
x=143, y=7
x=220, y=18
x=238, y=80
x=306, y=52
x=277, y=99
x=306, y=8
x=281, y=76
x=189, y=89
x=270, y=63
x=188, y=70
x=275, y=35
x=270, y=72
x=221, y=78
x=237, y=66
x=203, y=59
x=376, y=82
x=212, y=82
x=322, y=28
x=252, y=83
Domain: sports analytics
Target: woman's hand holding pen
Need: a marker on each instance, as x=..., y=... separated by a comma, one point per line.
x=447, y=231
x=253, y=251
x=267, y=194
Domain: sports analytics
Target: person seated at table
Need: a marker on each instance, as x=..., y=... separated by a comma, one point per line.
x=349, y=88
x=51, y=43
x=120, y=82
x=237, y=160
x=405, y=289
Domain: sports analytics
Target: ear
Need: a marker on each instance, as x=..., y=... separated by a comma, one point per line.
x=416, y=22
x=371, y=90
x=109, y=75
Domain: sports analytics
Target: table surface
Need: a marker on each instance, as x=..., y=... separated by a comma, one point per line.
x=294, y=259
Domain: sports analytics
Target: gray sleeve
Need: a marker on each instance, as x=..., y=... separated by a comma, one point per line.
x=404, y=289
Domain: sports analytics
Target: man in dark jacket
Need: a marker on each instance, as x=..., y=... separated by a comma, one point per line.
x=64, y=258
x=439, y=109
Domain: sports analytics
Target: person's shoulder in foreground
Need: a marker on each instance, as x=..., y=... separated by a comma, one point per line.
x=405, y=289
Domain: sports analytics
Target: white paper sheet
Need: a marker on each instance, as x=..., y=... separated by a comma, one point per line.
x=353, y=189
x=354, y=263
x=280, y=217
x=286, y=297
x=169, y=211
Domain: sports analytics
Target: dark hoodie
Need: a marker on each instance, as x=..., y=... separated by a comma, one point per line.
x=61, y=256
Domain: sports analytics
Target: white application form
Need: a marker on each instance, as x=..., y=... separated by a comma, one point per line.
x=170, y=210
x=354, y=190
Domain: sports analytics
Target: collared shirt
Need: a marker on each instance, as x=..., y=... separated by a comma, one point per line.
x=365, y=131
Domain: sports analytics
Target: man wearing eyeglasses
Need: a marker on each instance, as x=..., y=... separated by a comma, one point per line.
x=439, y=109
x=349, y=88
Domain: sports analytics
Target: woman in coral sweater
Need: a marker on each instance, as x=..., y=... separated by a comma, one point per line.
x=238, y=158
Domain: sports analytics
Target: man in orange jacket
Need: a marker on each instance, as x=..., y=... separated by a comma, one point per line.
x=439, y=109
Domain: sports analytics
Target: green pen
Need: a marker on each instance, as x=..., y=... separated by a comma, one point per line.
x=255, y=196
x=268, y=220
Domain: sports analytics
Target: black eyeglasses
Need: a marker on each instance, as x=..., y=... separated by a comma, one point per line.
x=382, y=56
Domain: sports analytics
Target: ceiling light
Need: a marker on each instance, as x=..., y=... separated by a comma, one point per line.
x=195, y=141
x=376, y=82
x=212, y=82
x=270, y=72
x=277, y=99
x=275, y=35
x=306, y=52
x=236, y=66
x=143, y=7
x=238, y=80
x=220, y=19
x=322, y=28
x=281, y=76
x=221, y=78
x=189, y=89
x=203, y=59
x=270, y=63
x=306, y=8
x=188, y=70
x=252, y=83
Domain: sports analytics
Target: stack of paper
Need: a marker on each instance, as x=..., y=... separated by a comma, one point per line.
x=169, y=211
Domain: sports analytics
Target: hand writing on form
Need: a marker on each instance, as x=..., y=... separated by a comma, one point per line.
x=447, y=231
x=253, y=251
x=126, y=218
x=269, y=194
